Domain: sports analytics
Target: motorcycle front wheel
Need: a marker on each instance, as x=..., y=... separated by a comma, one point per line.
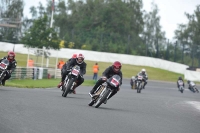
x=102, y=99
x=91, y=102
x=67, y=89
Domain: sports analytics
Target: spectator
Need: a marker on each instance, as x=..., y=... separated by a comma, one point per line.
x=30, y=62
x=60, y=64
x=95, y=71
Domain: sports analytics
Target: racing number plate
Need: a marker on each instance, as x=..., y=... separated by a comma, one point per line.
x=2, y=65
x=114, y=82
x=140, y=77
x=75, y=72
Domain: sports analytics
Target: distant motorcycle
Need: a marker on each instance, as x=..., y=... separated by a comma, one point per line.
x=192, y=87
x=3, y=68
x=181, y=88
x=139, y=83
x=70, y=80
x=105, y=90
x=132, y=82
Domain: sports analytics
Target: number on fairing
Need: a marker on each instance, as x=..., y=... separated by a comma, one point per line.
x=75, y=72
x=2, y=65
x=114, y=82
x=180, y=82
x=140, y=77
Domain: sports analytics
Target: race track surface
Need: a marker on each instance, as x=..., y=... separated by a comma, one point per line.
x=160, y=108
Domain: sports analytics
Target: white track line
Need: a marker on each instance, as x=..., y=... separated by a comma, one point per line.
x=195, y=104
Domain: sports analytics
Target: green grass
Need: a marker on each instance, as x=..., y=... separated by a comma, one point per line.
x=127, y=70
x=43, y=83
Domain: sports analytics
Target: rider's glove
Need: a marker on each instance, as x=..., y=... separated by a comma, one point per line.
x=69, y=70
x=104, y=78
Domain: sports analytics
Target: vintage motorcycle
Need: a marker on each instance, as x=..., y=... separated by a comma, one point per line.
x=3, y=68
x=132, y=82
x=139, y=83
x=181, y=89
x=193, y=88
x=70, y=80
x=103, y=92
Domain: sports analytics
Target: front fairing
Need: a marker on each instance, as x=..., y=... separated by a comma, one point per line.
x=114, y=81
x=75, y=72
x=4, y=64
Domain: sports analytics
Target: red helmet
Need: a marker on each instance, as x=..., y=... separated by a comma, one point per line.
x=11, y=55
x=116, y=66
x=74, y=56
x=80, y=58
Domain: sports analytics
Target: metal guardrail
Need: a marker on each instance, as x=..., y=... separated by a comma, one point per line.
x=22, y=73
x=28, y=73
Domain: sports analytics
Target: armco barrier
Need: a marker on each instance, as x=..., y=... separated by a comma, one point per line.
x=29, y=73
x=22, y=73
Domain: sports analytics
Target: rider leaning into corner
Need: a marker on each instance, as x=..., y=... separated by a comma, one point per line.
x=145, y=77
x=11, y=67
x=180, y=80
x=109, y=72
x=79, y=60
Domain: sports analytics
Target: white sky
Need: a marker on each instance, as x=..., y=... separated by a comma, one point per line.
x=170, y=11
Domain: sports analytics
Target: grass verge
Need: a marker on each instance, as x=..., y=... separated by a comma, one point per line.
x=43, y=83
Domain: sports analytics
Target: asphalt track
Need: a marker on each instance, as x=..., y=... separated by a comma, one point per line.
x=160, y=108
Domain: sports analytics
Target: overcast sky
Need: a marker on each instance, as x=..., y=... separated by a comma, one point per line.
x=170, y=11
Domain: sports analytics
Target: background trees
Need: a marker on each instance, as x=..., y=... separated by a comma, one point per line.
x=11, y=14
x=188, y=36
x=117, y=26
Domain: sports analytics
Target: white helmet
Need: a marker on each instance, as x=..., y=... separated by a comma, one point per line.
x=143, y=70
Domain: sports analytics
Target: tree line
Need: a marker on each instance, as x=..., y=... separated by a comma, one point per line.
x=117, y=26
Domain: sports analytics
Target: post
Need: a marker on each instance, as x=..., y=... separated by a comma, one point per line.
x=43, y=56
x=52, y=12
x=51, y=25
x=47, y=63
x=14, y=47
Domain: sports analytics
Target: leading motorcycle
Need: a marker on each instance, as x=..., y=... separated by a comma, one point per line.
x=103, y=92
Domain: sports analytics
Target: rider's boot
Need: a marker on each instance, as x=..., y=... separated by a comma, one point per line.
x=60, y=84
